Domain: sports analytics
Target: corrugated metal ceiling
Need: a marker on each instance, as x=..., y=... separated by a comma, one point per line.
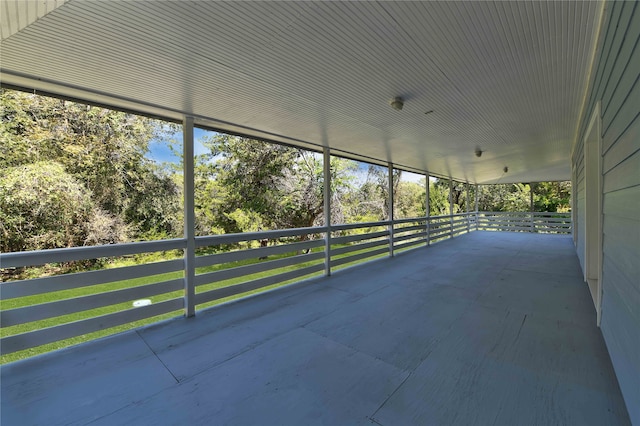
x=509, y=77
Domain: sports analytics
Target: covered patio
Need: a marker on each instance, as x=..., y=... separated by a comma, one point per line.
x=485, y=328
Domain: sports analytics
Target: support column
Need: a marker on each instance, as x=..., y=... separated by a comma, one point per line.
x=451, y=207
x=326, y=163
x=189, y=217
x=574, y=206
x=467, y=209
x=391, y=216
x=428, y=212
x=477, y=195
x=533, y=224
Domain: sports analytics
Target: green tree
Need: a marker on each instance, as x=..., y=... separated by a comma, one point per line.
x=244, y=184
x=380, y=178
x=367, y=201
x=42, y=206
x=239, y=174
x=410, y=200
x=439, y=197
x=103, y=150
x=302, y=187
x=504, y=197
x=552, y=196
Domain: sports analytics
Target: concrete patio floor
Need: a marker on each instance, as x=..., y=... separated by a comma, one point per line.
x=488, y=328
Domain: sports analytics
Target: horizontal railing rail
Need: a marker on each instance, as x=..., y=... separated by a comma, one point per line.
x=212, y=240
x=540, y=222
x=44, y=310
x=219, y=275
x=439, y=228
x=351, y=243
x=59, y=255
x=65, y=309
x=408, y=233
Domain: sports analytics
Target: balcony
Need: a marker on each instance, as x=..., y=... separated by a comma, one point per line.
x=486, y=327
x=483, y=328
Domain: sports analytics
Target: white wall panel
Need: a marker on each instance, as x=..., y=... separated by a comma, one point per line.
x=616, y=83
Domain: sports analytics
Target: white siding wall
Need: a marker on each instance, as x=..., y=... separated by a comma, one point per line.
x=580, y=204
x=616, y=84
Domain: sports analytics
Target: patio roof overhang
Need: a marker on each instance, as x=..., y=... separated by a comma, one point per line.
x=507, y=77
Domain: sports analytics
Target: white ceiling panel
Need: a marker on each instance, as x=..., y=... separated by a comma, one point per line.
x=16, y=15
x=509, y=77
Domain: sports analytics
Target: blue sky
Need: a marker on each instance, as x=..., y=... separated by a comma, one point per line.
x=160, y=153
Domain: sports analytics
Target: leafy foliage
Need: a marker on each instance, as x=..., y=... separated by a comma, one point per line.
x=439, y=197
x=94, y=153
x=367, y=202
x=43, y=206
x=243, y=184
x=72, y=174
x=552, y=196
x=504, y=198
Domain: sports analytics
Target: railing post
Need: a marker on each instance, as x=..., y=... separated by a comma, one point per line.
x=468, y=220
x=574, y=205
x=391, y=217
x=189, y=217
x=428, y=213
x=326, y=163
x=533, y=225
x=477, y=195
x=451, y=207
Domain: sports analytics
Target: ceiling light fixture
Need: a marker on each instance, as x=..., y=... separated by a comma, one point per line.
x=397, y=103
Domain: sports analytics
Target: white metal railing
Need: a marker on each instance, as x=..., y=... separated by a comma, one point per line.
x=228, y=278
x=357, y=242
x=541, y=222
x=27, y=322
x=44, y=310
x=409, y=232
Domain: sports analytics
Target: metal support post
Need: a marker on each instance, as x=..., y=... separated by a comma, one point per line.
x=326, y=163
x=533, y=225
x=467, y=209
x=574, y=206
x=451, y=207
x=477, y=195
x=428, y=215
x=189, y=218
x=391, y=216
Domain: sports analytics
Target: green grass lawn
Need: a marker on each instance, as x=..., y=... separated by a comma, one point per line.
x=83, y=291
